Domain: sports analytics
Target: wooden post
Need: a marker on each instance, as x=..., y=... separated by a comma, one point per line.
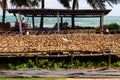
x=109, y=61
x=101, y=22
x=72, y=57
x=58, y=22
x=20, y=23
x=42, y=21
x=61, y=20
x=33, y=22
x=36, y=61
x=73, y=21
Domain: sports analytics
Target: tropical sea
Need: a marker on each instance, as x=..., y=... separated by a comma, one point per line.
x=50, y=22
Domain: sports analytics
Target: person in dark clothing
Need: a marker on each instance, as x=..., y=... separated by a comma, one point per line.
x=16, y=25
x=24, y=23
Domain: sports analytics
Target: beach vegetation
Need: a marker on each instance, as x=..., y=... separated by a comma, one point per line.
x=102, y=64
x=25, y=3
x=17, y=3
x=18, y=64
x=113, y=26
x=53, y=64
x=117, y=64
x=65, y=3
x=95, y=4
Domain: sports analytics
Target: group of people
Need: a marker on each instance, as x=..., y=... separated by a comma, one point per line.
x=24, y=24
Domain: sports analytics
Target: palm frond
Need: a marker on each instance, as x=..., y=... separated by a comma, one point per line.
x=20, y=3
x=76, y=4
x=3, y=4
x=65, y=3
x=97, y=4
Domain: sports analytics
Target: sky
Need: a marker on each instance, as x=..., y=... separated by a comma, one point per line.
x=82, y=5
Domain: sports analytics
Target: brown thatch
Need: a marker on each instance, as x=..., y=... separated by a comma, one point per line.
x=81, y=42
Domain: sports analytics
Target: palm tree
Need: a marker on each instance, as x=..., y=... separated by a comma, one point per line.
x=17, y=3
x=96, y=4
x=65, y=3
x=74, y=5
x=100, y=4
x=42, y=18
x=20, y=3
x=25, y=3
x=3, y=4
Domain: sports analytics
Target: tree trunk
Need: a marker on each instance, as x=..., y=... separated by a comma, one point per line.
x=43, y=1
x=15, y=16
x=42, y=18
x=4, y=11
x=72, y=19
x=3, y=18
x=73, y=5
x=73, y=22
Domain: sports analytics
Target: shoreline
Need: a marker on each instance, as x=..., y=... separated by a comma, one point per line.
x=79, y=22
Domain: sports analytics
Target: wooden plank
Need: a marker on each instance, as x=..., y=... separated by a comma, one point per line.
x=48, y=55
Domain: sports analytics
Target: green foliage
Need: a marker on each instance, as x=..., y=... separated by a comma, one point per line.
x=77, y=63
x=11, y=66
x=113, y=26
x=117, y=64
x=49, y=64
x=102, y=64
x=69, y=65
x=57, y=65
x=89, y=64
x=21, y=66
x=31, y=64
x=43, y=63
x=18, y=64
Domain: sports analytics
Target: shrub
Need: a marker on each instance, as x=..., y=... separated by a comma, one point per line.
x=113, y=26
x=102, y=64
x=77, y=64
x=117, y=64
x=49, y=64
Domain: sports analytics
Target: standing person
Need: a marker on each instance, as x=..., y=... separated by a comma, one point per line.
x=23, y=23
x=16, y=25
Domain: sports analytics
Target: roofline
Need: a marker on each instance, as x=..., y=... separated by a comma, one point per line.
x=37, y=12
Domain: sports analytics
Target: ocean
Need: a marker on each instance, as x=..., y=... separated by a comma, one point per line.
x=50, y=22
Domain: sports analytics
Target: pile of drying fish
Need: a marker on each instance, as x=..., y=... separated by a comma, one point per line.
x=82, y=42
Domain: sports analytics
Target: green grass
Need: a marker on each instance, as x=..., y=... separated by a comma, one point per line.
x=31, y=79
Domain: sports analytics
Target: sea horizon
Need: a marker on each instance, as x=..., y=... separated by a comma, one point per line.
x=50, y=22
